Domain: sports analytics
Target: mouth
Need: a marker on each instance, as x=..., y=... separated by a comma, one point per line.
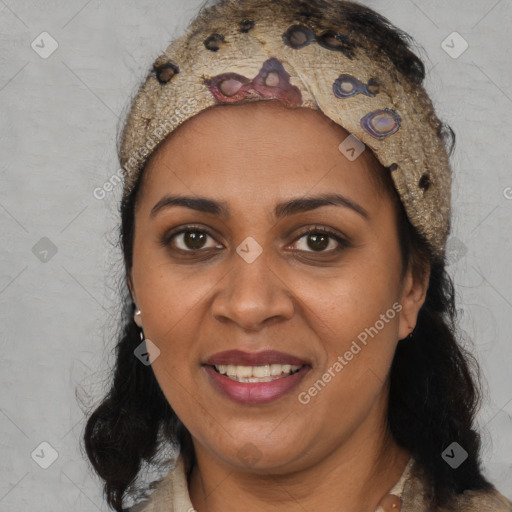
x=263, y=373
x=255, y=377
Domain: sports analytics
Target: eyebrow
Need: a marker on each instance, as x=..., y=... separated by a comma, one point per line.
x=283, y=209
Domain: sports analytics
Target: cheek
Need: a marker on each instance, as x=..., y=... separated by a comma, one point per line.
x=355, y=316
x=168, y=294
x=352, y=298
x=358, y=336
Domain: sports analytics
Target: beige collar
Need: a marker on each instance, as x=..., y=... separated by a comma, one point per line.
x=171, y=494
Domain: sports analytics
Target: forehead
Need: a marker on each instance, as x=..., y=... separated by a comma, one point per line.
x=259, y=147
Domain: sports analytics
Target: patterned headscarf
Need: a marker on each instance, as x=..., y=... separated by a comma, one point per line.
x=305, y=54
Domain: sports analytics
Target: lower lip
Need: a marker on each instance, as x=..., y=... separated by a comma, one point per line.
x=255, y=392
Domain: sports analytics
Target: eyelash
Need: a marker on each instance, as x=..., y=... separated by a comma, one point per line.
x=168, y=237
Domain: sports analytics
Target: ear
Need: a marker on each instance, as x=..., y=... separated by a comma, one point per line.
x=414, y=291
x=131, y=288
x=136, y=317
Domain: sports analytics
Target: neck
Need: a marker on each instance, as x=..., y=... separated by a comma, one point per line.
x=353, y=477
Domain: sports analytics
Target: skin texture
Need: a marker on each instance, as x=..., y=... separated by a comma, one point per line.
x=334, y=452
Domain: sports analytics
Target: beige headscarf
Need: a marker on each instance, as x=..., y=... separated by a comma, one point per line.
x=253, y=50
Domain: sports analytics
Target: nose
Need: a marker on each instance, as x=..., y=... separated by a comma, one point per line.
x=253, y=295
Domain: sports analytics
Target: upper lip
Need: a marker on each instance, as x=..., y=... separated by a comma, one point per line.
x=241, y=358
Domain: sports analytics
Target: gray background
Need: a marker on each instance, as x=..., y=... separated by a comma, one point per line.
x=59, y=117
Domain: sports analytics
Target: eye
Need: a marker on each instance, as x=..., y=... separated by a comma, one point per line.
x=194, y=239
x=189, y=239
x=320, y=238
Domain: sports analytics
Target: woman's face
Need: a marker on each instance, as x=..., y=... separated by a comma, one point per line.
x=237, y=271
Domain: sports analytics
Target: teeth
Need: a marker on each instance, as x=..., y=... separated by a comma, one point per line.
x=260, y=371
x=276, y=369
x=265, y=373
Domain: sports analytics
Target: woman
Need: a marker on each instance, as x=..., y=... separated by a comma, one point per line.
x=289, y=325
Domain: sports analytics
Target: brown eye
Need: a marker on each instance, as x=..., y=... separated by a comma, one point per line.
x=194, y=239
x=189, y=240
x=319, y=239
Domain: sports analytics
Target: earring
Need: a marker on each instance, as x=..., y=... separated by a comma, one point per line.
x=137, y=317
x=138, y=321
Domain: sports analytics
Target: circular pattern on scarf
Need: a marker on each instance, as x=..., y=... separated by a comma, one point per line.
x=424, y=182
x=166, y=71
x=381, y=123
x=272, y=81
x=346, y=86
x=298, y=36
x=337, y=42
x=213, y=42
x=246, y=25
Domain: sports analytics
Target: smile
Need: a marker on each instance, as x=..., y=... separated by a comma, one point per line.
x=265, y=373
x=242, y=385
